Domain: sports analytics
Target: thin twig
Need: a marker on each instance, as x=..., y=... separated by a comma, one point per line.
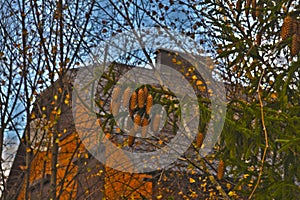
x=266, y=137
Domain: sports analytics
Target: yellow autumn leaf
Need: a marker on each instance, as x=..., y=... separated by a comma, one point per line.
x=32, y=115
x=179, y=62
x=232, y=193
x=246, y=175
x=199, y=82
x=202, y=88
x=274, y=95
x=192, y=180
x=23, y=167
x=191, y=69
x=228, y=185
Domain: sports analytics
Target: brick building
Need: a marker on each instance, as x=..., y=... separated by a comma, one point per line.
x=78, y=174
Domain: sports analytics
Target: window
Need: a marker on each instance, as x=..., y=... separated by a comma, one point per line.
x=39, y=134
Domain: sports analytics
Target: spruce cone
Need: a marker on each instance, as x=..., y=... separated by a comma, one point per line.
x=149, y=103
x=221, y=170
x=115, y=107
x=295, y=26
x=199, y=140
x=133, y=101
x=145, y=123
x=137, y=122
x=116, y=94
x=287, y=27
x=146, y=91
x=126, y=97
x=253, y=12
x=156, y=122
x=238, y=5
x=141, y=98
x=295, y=45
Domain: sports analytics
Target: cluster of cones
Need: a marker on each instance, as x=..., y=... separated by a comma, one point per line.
x=291, y=28
x=139, y=104
x=250, y=6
